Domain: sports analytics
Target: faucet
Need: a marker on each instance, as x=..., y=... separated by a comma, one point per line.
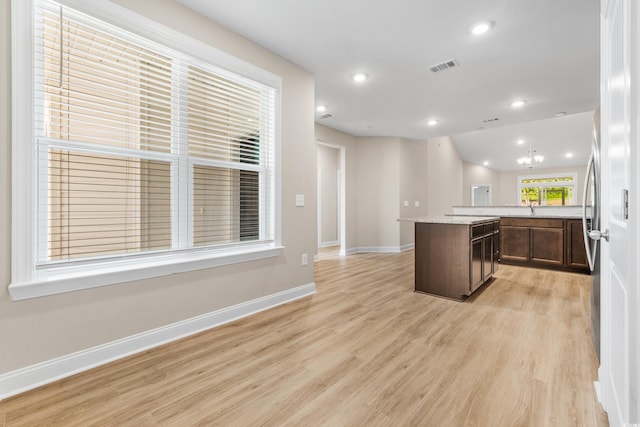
x=531, y=207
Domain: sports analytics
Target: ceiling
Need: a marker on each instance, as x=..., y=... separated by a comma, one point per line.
x=545, y=52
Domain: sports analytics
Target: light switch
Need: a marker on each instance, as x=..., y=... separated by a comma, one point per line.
x=417, y=204
x=406, y=203
x=299, y=199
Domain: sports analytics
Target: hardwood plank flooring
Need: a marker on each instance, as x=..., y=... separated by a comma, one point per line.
x=366, y=350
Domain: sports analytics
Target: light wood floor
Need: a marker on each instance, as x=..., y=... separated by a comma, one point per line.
x=364, y=351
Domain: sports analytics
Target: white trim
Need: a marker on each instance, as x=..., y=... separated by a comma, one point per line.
x=378, y=249
x=597, y=388
x=27, y=281
x=328, y=244
x=23, y=221
x=407, y=247
x=490, y=198
x=93, y=276
x=30, y=377
x=147, y=28
x=573, y=184
x=342, y=195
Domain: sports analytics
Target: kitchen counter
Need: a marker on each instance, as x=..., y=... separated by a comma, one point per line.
x=453, y=219
x=574, y=212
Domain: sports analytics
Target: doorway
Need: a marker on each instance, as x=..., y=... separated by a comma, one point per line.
x=480, y=195
x=331, y=203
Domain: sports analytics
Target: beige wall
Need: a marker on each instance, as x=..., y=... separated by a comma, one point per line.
x=505, y=184
x=413, y=186
x=480, y=175
x=40, y=329
x=444, y=176
x=328, y=167
x=378, y=192
x=382, y=173
x=509, y=183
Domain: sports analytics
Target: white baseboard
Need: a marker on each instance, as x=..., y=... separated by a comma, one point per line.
x=329, y=244
x=30, y=377
x=377, y=249
x=407, y=247
x=596, y=386
x=351, y=251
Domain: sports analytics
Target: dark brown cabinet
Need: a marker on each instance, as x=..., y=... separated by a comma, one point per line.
x=453, y=260
x=576, y=252
x=543, y=242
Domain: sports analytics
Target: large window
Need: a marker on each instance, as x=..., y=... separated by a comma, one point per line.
x=141, y=153
x=547, y=190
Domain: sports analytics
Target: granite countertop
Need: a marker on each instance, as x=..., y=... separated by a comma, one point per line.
x=453, y=219
x=573, y=212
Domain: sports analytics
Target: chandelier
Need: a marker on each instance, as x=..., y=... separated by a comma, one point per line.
x=531, y=160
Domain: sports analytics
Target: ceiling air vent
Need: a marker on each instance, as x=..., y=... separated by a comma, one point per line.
x=491, y=120
x=444, y=65
x=326, y=116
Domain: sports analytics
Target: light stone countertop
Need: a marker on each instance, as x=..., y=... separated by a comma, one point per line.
x=454, y=219
x=574, y=212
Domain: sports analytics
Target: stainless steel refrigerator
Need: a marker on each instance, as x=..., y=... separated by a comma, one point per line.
x=591, y=225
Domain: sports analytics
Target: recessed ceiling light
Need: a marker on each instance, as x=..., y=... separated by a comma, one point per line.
x=432, y=122
x=485, y=163
x=517, y=104
x=560, y=114
x=480, y=28
x=520, y=141
x=360, y=77
x=321, y=108
x=568, y=155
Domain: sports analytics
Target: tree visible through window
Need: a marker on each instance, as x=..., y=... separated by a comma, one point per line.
x=547, y=190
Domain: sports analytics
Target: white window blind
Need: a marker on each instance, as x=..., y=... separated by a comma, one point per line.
x=142, y=149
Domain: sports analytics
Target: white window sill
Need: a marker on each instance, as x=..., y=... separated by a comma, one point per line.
x=51, y=283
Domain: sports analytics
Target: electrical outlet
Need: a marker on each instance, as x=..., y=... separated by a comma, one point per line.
x=304, y=259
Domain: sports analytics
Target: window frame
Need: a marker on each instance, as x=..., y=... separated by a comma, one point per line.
x=573, y=183
x=27, y=280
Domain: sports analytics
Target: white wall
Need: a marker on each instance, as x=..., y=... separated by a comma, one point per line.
x=40, y=329
x=328, y=168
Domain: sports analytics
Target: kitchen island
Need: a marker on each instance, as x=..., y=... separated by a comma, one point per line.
x=455, y=255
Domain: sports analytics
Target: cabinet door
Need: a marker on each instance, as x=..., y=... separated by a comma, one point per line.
x=487, y=262
x=547, y=245
x=496, y=251
x=576, y=252
x=514, y=243
x=477, y=257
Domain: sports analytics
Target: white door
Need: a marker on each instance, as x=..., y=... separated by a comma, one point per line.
x=619, y=355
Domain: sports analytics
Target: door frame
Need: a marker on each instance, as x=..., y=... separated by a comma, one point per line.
x=342, y=233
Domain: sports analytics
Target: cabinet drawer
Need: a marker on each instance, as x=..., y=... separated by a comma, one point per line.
x=533, y=222
x=477, y=230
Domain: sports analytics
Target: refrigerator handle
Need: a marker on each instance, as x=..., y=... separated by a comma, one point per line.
x=585, y=231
